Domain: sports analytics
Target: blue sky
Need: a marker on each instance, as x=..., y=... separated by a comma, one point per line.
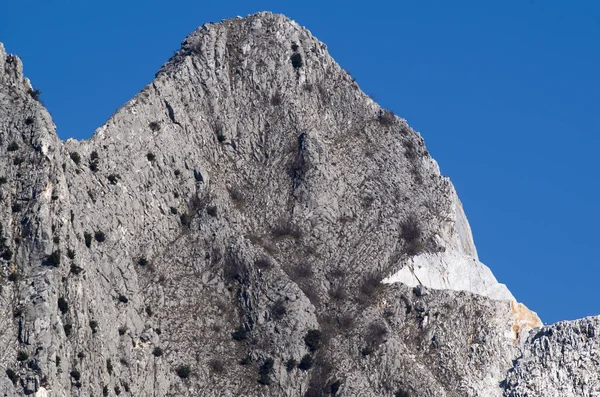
x=505, y=93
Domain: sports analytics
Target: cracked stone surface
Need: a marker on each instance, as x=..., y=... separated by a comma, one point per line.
x=250, y=194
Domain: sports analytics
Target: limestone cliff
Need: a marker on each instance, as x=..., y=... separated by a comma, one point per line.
x=250, y=224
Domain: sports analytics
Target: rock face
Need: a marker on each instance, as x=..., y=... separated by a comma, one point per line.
x=227, y=232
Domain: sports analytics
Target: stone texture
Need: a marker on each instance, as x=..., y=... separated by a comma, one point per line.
x=558, y=360
x=251, y=190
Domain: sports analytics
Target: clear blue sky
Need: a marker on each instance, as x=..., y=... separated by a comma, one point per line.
x=505, y=93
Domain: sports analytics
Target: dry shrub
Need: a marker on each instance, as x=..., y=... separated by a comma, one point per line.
x=263, y=263
x=216, y=365
x=285, y=228
x=386, y=118
x=411, y=232
x=371, y=284
x=337, y=292
x=303, y=270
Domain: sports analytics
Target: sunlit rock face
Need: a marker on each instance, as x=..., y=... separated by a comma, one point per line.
x=249, y=224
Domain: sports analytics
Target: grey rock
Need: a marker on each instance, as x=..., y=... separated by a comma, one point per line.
x=250, y=194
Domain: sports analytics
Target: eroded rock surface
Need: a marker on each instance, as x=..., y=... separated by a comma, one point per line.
x=226, y=233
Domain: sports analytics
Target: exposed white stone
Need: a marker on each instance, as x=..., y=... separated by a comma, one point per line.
x=453, y=271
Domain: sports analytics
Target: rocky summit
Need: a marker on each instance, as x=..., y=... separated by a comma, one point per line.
x=252, y=224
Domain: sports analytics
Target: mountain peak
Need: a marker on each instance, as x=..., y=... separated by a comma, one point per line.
x=249, y=224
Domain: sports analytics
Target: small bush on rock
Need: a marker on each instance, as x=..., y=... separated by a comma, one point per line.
x=75, y=157
x=94, y=326
x=12, y=375
x=296, y=59
x=63, y=305
x=53, y=259
x=157, y=352
x=239, y=334
x=306, y=363
x=290, y=364
x=264, y=372
x=312, y=339
x=154, y=126
x=216, y=365
x=99, y=236
x=184, y=371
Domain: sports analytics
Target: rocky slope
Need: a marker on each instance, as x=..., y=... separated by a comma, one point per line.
x=252, y=224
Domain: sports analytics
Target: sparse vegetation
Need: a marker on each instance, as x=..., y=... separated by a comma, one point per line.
x=122, y=330
x=245, y=361
x=154, y=126
x=22, y=356
x=68, y=328
x=75, y=374
x=185, y=219
x=371, y=284
x=173, y=210
x=221, y=138
x=99, y=236
x=7, y=254
x=236, y=195
x=411, y=233
x=150, y=156
x=75, y=157
x=290, y=364
x=401, y=393
x=2, y=180
x=216, y=365
x=263, y=263
x=94, y=160
x=157, y=352
x=211, y=210
x=35, y=94
x=285, y=228
x=334, y=387
x=109, y=366
x=53, y=259
x=12, y=375
x=16, y=207
x=276, y=99
x=123, y=299
x=296, y=59
x=306, y=363
x=184, y=371
x=239, y=334
x=278, y=311
x=312, y=339
x=376, y=334
x=70, y=253
x=113, y=179
x=13, y=276
x=93, y=326
x=264, y=372
x=63, y=305
x=302, y=270
x=13, y=147
x=386, y=118
x=88, y=239
x=142, y=261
